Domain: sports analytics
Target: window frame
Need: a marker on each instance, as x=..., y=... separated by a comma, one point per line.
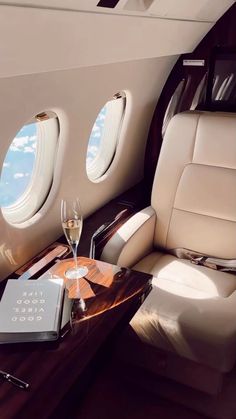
x=36, y=192
x=110, y=136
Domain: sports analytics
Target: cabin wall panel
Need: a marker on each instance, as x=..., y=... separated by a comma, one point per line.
x=77, y=96
x=41, y=40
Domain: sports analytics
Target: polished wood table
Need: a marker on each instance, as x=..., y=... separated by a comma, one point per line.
x=112, y=295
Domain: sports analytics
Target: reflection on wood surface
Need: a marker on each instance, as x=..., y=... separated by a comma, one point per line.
x=111, y=296
x=99, y=273
x=104, y=287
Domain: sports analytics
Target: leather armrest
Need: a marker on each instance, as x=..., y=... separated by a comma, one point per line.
x=132, y=241
x=104, y=233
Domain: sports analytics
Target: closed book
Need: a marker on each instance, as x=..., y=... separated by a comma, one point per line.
x=31, y=310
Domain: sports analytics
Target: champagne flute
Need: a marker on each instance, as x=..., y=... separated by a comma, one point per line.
x=72, y=223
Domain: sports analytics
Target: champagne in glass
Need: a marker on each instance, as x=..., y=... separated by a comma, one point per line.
x=72, y=223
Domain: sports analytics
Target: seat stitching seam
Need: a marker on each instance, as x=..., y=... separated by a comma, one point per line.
x=195, y=137
x=168, y=229
x=204, y=215
x=212, y=165
x=173, y=207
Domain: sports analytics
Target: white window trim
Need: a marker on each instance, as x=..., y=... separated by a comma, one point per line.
x=114, y=116
x=36, y=192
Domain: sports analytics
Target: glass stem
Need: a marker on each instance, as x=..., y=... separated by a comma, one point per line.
x=74, y=250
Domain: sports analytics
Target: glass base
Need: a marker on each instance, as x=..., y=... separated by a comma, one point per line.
x=74, y=273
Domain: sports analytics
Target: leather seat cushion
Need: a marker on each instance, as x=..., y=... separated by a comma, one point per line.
x=190, y=311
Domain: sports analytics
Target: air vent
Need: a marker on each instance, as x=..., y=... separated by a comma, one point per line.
x=108, y=3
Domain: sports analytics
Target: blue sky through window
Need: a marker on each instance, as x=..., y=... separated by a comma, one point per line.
x=19, y=161
x=96, y=135
x=18, y=165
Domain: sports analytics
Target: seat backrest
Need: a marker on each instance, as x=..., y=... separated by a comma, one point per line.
x=194, y=189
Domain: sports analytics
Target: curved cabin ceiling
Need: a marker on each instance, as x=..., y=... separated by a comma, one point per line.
x=206, y=10
x=76, y=33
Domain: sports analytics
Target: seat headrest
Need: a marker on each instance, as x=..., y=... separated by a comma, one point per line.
x=215, y=142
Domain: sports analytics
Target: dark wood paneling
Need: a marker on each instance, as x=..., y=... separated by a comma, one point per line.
x=51, y=368
x=129, y=202
x=222, y=34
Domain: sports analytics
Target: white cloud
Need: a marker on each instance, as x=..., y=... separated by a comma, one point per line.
x=28, y=150
x=95, y=128
x=20, y=141
x=33, y=138
x=18, y=175
x=97, y=135
x=93, y=150
x=6, y=164
x=101, y=117
x=13, y=148
x=22, y=144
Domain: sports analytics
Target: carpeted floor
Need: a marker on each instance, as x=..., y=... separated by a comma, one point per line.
x=112, y=395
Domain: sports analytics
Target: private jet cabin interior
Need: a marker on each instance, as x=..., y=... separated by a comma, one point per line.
x=130, y=106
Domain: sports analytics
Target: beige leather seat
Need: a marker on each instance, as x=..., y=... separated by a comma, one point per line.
x=191, y=310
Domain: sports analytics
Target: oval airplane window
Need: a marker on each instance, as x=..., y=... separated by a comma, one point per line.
x=104, y=137
x=27, y=170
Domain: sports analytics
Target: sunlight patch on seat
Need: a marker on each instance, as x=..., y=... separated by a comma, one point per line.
x=185, y=280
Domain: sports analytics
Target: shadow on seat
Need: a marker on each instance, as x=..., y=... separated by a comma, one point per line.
x=190, y=314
